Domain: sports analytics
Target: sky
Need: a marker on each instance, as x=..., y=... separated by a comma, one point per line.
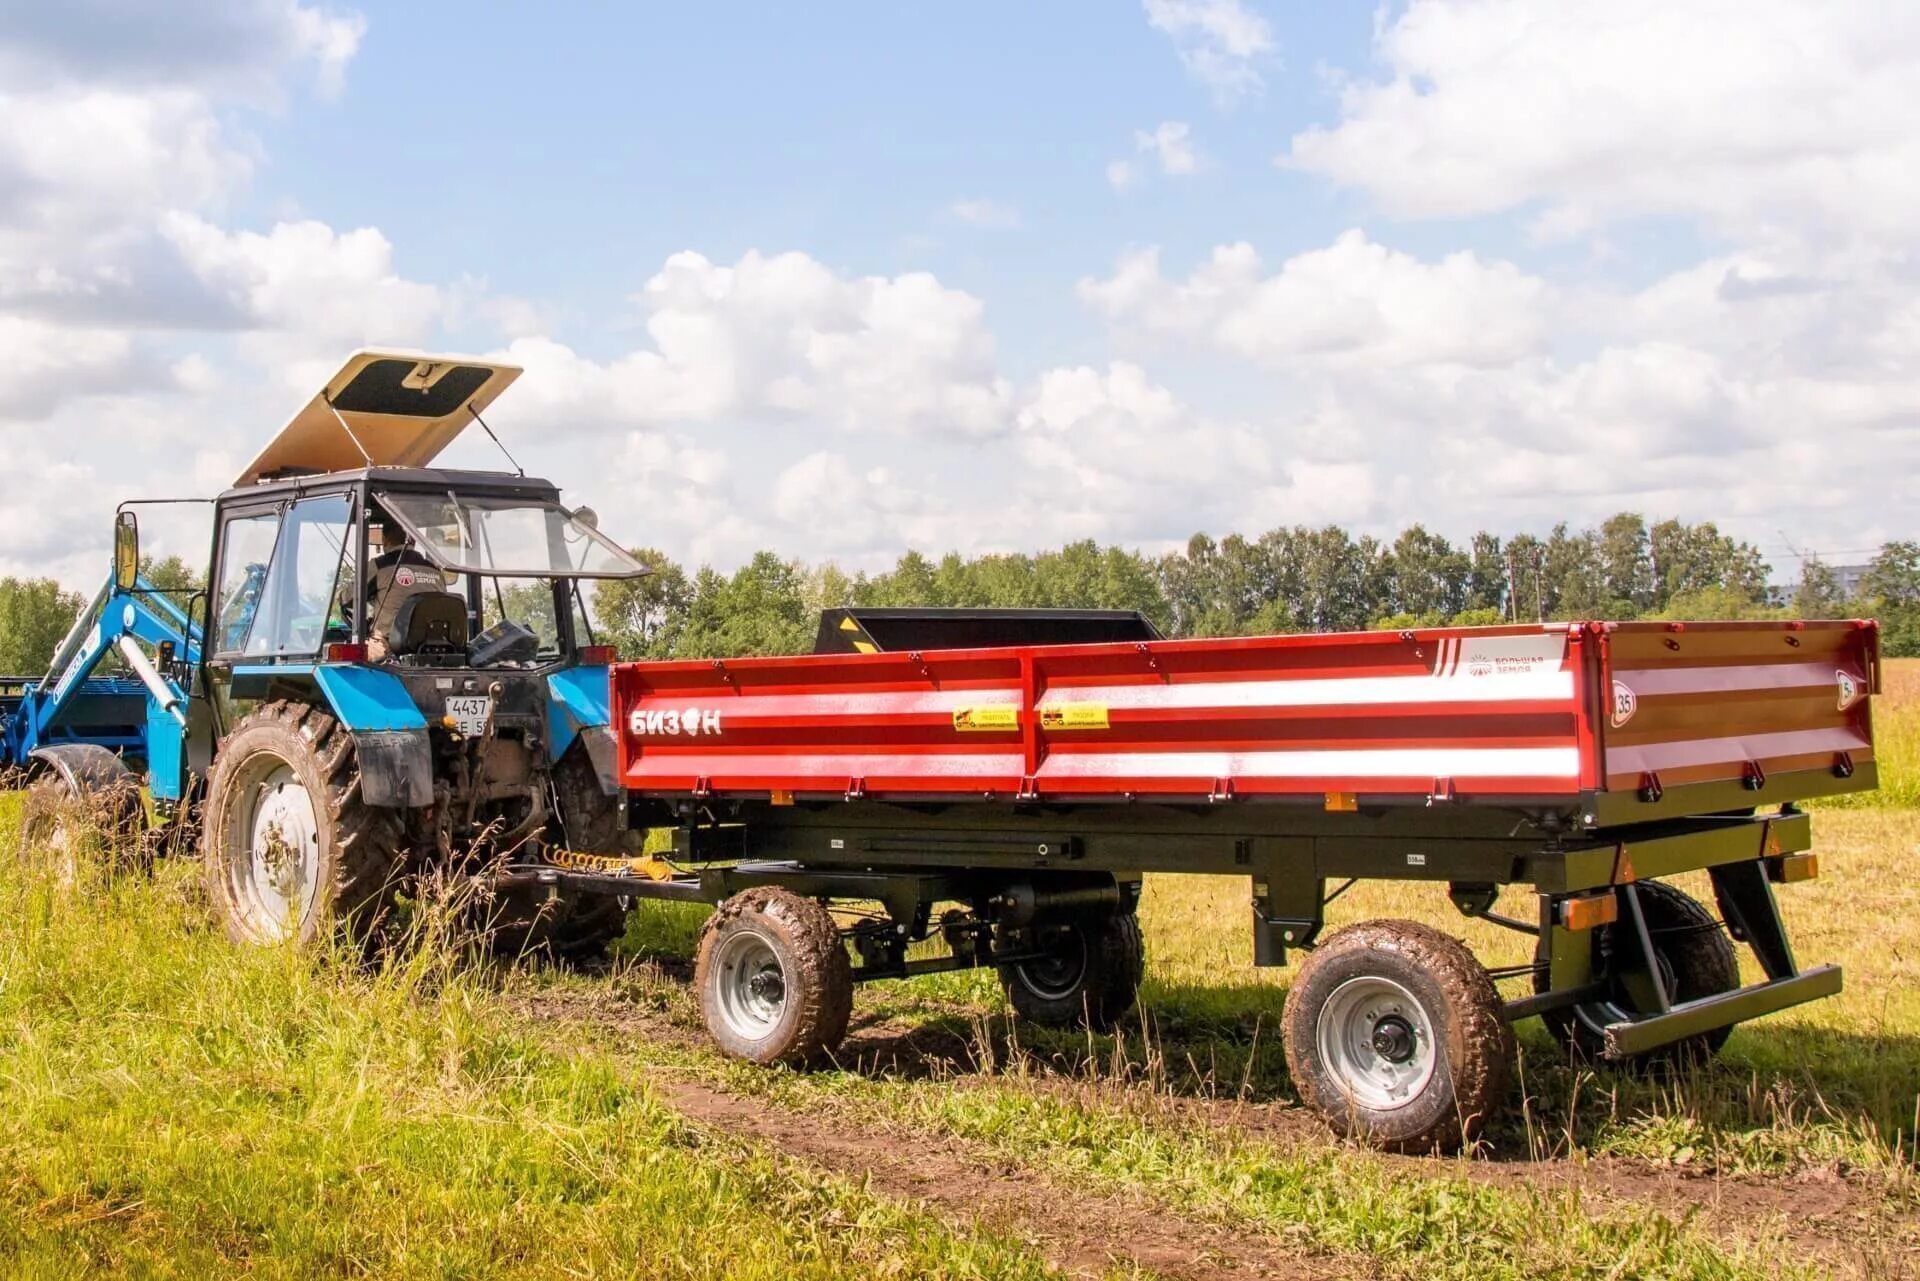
x=849, y=278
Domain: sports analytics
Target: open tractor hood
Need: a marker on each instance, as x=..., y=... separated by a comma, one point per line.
x=383, y=409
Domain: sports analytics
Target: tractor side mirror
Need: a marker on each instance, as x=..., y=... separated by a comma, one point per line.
x=126, y=551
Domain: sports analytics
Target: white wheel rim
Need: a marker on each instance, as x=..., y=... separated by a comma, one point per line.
x=750, y=987
x=274, y=862
x=1377, y=1042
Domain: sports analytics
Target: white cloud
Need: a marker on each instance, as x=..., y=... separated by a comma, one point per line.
x=1222, y=42
x=783, y=336
x=1354, y=301
x=1109, y=450
x=1757, y=117
x=1169, y=147
x=232, y=47
x=985, y=213
x=326, y=290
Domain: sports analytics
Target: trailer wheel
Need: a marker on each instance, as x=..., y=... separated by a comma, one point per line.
x=1696, y=959
x=291, y=848
x=64, y=825
x=774, y=980
x=1395, y=1035
x=1090, y=977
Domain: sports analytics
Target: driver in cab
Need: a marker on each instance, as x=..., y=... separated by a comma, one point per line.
x=395, y=572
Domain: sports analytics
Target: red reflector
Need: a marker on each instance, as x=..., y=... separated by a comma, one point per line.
x=597, y=655
x=342, y=652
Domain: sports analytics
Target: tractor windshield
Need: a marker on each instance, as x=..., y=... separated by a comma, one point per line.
x=508, y=537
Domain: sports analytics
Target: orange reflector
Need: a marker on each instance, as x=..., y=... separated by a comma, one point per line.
x=1342, y=802
x=1589, y=911
x=780, y=796
x=1796, y=867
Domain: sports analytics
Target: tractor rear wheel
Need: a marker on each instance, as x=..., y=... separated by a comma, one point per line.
x=292, y=850
x=1696, y=959
x=1089, y=977
x=1395, y=1035
x=774, y=979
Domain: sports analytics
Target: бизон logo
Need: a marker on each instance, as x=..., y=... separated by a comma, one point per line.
x=1849, y=688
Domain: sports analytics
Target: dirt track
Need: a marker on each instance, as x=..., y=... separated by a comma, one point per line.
x=1839, y=1225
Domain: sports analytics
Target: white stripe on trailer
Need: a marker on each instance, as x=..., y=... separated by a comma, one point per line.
x=1384, y=692
x=1393, y=762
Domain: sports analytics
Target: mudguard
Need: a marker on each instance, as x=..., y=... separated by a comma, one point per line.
x=389, y=733
x=577, y=707
x=87, y=768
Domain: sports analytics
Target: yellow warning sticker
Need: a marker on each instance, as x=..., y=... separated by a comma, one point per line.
x=1074, y=716
x=989, y=716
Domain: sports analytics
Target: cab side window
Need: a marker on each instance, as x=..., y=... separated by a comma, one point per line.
x=299, y=596
x=246, y=549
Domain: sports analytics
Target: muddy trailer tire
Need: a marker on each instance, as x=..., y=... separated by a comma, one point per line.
x=1396, y=1036
x=1696, y=959
x=1091, y=977
x=291, y=849
x=774, y=978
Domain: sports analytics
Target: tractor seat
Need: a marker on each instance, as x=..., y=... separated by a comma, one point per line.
x=429, y=623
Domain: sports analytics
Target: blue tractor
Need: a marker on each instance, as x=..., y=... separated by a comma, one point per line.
x=392, y=670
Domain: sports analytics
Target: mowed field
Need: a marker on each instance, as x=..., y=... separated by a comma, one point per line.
x=170, y=1106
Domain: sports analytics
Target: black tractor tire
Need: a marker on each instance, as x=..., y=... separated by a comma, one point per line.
x=1395, y=1035
x=1696, y=959
x=775, y=982
x=1091, y=976
x=353, y=862
x=64, y=828
x=576, y=928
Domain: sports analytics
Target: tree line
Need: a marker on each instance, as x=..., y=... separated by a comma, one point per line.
x=1295, y=578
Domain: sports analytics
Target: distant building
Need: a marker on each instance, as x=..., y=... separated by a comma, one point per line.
x=1850, y=577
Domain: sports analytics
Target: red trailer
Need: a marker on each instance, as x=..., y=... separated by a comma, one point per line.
x=1007, y=799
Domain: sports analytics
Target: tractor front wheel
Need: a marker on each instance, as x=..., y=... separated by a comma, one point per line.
x=292, y=850
x=67, y=822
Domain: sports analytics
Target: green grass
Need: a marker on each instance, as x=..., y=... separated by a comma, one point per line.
x=172, y=1107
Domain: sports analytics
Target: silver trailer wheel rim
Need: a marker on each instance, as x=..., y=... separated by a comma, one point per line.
x=1377, y=1042
x=275, y=843
x=750, y=987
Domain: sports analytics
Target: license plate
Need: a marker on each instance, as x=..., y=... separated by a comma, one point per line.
x=470, y=713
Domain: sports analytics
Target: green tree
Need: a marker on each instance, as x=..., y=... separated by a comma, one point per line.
x=1818, y=594
x=172, y=576
x=34, y=615
x=1426, y=576
x=760, y=609
x=1893, y=576
x=1487, y=575
x=1890, y=591
x=1626, y=564
x=642, y=617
